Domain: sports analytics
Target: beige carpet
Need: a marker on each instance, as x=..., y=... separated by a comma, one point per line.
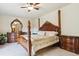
x=14, y=49
x=55, y=51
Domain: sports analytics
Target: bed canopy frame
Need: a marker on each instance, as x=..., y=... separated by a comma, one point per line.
x=46, y=25
x=49, y=25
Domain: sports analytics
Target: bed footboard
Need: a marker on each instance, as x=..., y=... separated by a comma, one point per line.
x=22, y=41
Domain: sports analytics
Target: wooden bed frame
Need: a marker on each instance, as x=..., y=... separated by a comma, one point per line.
x=55, y=28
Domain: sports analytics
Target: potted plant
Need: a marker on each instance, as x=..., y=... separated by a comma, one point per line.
x=3, y=38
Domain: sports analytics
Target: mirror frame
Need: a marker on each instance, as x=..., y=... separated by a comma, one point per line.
x=16, y=20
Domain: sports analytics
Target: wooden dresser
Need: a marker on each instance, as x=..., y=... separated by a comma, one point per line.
x=70, y=43
x=11, y=36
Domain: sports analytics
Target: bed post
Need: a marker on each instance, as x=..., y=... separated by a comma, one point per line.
x=38, y=23
x=59, y=22
x=29, y=37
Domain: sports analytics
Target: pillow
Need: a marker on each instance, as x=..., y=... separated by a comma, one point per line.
x=51, y=33
x=41, y=33
x=34, y=31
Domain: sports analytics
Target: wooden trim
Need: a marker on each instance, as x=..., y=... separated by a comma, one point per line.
x=59, y=22
x=69, y=36
x=29, y=37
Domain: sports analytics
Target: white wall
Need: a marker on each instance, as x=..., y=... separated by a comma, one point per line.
x=51, y=17
x=70, y=20
x=5, y=22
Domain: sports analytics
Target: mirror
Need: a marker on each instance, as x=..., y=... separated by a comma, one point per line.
x=16, y=26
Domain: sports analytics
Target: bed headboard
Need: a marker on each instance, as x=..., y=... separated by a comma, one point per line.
x=48, y=26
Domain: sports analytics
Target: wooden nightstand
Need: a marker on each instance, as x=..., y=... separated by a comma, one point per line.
x=70, y=43
x=11, y=36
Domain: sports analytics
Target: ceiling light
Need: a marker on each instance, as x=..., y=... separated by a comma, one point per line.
x=30, y=8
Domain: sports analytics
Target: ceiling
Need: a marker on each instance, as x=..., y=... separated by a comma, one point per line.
x=13, y=9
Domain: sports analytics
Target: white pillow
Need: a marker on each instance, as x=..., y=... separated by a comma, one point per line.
x=34, y=30
x=51, y=33
x=41, y=33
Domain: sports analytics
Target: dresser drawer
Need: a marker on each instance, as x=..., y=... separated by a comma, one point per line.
x=11, y=36
x=70, y=43
x=70, y=49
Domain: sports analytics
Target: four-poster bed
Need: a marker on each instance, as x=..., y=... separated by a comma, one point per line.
x=33, y=43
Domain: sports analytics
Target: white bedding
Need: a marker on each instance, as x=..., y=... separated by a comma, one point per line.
x=39, y=42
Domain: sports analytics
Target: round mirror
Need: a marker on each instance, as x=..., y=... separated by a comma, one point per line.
x=16, y=26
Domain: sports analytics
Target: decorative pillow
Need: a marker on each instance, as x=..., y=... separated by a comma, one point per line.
x=51, y=33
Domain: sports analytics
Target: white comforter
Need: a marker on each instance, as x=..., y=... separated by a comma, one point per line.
x=39, y=42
